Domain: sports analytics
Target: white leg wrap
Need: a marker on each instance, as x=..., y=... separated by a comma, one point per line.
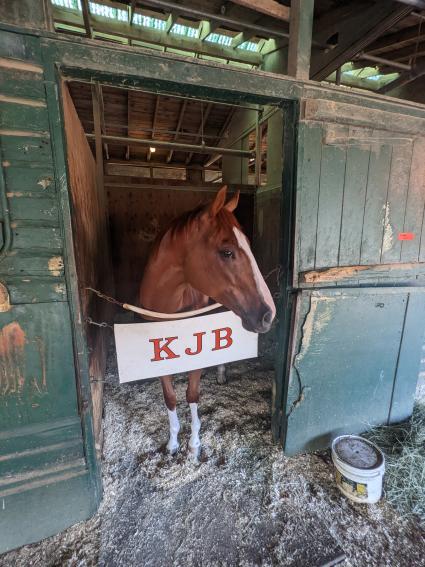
x=173, y=443
x=195, y=442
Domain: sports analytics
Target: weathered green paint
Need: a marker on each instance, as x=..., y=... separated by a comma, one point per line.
x=308, y=186
x=27, y=84
x=415, y=204
x=42, y=449
x=331, y=194
x=376, y=204
x=32, y=179
x=397, y=194
x=18, y=116
x=29, y=149
x=328, y=394
x=356, y=173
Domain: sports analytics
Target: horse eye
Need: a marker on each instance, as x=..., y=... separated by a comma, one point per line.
x=227, y=253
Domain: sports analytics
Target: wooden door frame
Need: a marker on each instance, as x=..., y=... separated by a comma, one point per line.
x=69, y=60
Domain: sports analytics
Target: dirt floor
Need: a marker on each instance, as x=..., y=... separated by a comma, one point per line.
x=244, y=504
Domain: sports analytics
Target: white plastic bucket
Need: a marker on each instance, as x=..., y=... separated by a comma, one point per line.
x=359, y=468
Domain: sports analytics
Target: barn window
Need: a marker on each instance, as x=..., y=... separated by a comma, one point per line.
x=149, y=22
x=249, y=46
x=185, y=30
x=220, y=39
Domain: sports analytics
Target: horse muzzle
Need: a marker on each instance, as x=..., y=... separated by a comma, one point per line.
x=259, y=322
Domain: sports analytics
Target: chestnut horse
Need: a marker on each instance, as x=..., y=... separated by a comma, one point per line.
x=204, y=255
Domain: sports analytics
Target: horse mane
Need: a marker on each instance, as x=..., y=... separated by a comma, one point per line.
x=225, y=220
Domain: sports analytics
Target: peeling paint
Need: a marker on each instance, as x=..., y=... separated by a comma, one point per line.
x=23, y=101
x=315, y=322
x=387, y=241
x=21, y=65
x=60, y=289
x=24, y=133
x=12, y=359
x=45, y=182
x=55, y=265
x=349, y=272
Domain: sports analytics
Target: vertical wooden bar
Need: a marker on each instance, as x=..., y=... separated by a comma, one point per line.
x=258, y=131
x=300, y=33
x=86, y=17
x=97, y=120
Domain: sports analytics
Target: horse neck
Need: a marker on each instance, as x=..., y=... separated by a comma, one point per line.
x=164, y=287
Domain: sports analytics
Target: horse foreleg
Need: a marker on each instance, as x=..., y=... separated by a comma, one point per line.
x=170, y=402
x=221, y=374
x=192, y=397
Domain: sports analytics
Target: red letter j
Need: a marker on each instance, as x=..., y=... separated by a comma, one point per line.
x=198, y=344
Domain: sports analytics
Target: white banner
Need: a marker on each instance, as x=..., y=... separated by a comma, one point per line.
x=148, y=350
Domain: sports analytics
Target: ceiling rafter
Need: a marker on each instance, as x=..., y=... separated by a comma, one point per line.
x=155, y=116
x=267, y=7
x=158, y=37
x=200, y=132
x=178, y=127
x=355, y=34
x=86, y=18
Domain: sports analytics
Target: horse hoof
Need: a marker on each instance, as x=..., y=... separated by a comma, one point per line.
x=172, y=448
x=194, y=452
x=221, y=375
x=221, y=380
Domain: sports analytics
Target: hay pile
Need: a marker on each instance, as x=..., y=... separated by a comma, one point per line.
x=404, y=448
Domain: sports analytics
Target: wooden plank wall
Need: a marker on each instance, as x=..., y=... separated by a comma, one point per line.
x=360, y=189
x=138, y=215
x=92, y=251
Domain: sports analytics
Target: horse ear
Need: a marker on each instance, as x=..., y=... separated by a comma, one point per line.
x=233, y=203
x=218, y=202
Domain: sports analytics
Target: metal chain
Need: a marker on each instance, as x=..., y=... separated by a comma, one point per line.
x=104, y=324
x=106, y=297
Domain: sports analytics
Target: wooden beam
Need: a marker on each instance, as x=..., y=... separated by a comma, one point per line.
x=240, y=39
x=381, y=61
x=404, y=79
x=267, y=7
x=403, y=38
x=195, y=148
x=217, y=18
x=353, y=35
x=179, y=125
x=415, y=3
x=128, y=151
x=300, y=35
x=204, y=119
x=155, y=37
x=86, y=18
x=98, y=139
x=102, y=115
x=155, y=114
x=132, y=168
x=212, y=159
x=407, y=53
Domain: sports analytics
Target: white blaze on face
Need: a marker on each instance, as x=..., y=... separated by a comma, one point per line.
x=261, y=285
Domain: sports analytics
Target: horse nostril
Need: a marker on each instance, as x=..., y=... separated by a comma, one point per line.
x=268, y=317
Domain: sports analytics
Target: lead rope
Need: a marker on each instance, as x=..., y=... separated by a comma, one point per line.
x=155, y=314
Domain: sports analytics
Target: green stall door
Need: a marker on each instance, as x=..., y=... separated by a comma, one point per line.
x=358, y=286
x=45, y=481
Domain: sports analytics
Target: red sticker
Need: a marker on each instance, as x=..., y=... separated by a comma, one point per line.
x=406, y=236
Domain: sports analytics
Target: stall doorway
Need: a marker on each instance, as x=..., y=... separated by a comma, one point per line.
x=162, y=154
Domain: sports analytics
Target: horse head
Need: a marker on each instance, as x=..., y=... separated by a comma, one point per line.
x=219, y=263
